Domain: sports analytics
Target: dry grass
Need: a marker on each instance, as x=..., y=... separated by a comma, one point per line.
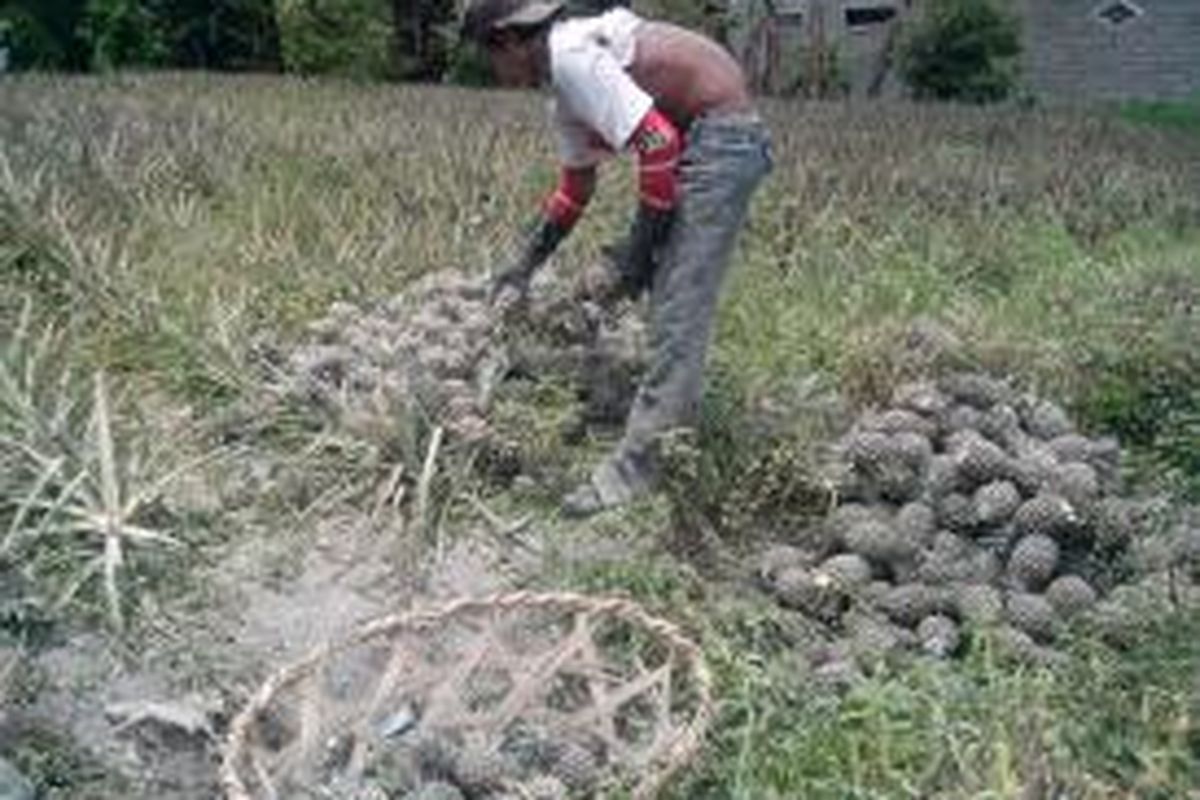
x=173, y=218
x=76, y=488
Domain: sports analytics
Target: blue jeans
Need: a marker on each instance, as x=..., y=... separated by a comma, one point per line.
x=724, y=160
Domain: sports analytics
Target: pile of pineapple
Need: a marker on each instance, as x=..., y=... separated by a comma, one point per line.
x=967, y=504
x=440, y=351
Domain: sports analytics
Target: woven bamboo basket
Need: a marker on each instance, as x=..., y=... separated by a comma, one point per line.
x=597, y=677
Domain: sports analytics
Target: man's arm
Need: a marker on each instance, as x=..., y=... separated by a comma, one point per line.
x=566, y=203
x=560, y=211
x=658, y=144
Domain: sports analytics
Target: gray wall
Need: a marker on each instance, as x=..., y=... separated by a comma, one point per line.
x=1070, y=54
x=805, y=26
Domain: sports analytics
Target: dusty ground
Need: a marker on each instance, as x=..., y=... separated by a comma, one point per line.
x=152, y=717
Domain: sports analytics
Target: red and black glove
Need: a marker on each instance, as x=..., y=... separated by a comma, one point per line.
x=659, y=145
x=560, y=212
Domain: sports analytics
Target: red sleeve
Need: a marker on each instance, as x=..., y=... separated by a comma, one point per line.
x=566, y=203
x=658, y=144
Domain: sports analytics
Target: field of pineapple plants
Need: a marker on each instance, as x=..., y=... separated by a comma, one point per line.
x=180, y=516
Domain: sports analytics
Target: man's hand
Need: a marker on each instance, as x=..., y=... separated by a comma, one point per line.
x=509, y=292
x=511, y=284
x=510, y=287
x=635, y=258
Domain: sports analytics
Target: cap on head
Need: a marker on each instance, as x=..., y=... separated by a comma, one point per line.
x=485, y=18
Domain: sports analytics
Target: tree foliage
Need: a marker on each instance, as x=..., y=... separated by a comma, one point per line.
x=365, y=39
x=105, y=34
x=407, y=39
x=962, y=50
x=351, y=38
x=425, y=37
x=222, y=34
x=42, y=34
x=125, y=33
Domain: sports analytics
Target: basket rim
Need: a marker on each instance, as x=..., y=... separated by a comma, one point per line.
x=685, y=743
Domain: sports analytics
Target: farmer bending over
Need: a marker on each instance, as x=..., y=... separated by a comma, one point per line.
x=679, y=103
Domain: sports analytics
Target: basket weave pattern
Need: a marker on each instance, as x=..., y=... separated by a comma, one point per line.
x=595, y=669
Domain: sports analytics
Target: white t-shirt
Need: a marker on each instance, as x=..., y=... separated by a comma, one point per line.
x=596, y=105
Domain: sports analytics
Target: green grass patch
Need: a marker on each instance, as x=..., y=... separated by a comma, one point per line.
x=1103, y=725
x=1179, y=115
